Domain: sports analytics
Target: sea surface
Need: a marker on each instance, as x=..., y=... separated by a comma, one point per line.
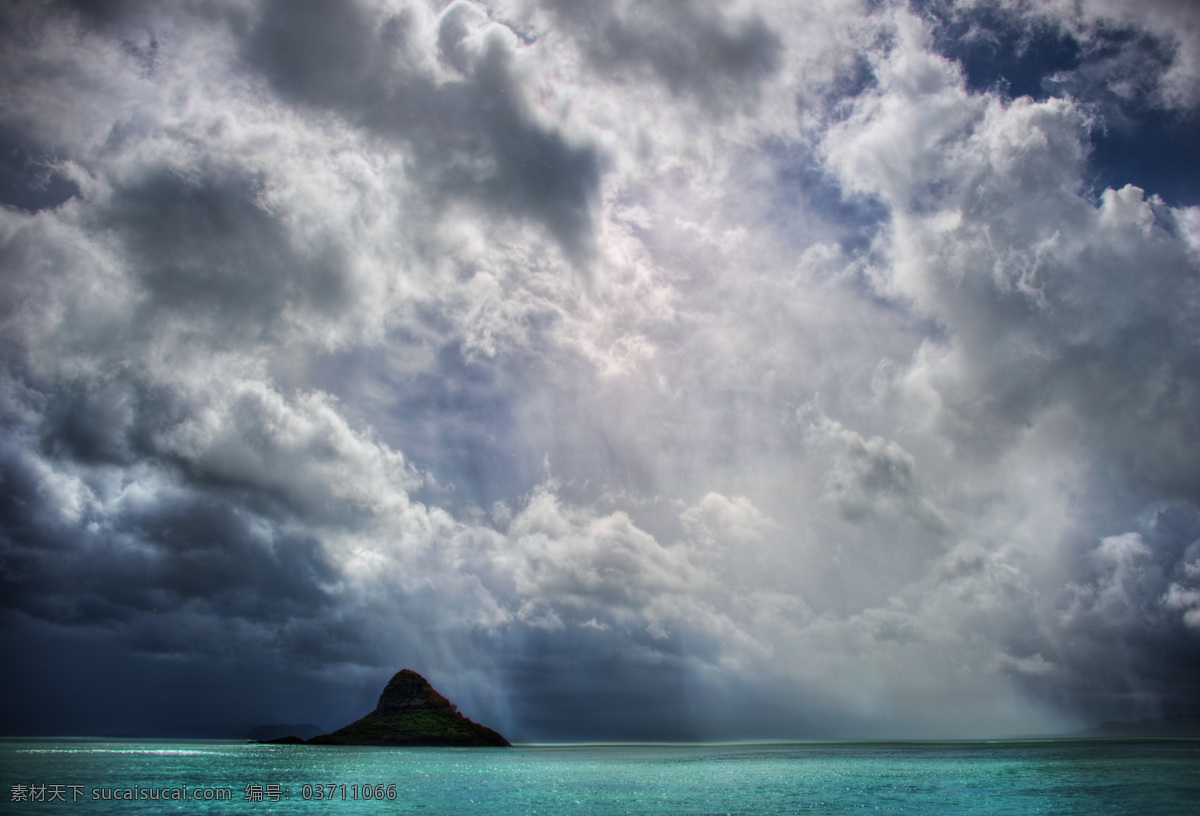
x=1085, y=777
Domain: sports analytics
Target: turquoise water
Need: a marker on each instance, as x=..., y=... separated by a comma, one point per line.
x=1093, y=777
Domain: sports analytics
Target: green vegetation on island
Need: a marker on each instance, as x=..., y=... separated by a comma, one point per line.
x=410, y=712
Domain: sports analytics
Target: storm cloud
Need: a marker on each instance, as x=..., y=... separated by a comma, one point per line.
x=631, y=370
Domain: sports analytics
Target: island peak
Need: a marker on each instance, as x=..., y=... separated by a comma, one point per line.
x=411, y=712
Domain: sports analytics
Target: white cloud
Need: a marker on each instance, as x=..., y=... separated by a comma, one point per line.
x=1185, y=600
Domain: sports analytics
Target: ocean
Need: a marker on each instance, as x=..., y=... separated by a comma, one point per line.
x=1085, y=777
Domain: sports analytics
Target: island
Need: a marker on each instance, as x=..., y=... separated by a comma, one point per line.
x=410, y=712
x=1179, y=725
x=265, y=732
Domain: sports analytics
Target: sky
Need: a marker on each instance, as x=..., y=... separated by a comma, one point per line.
x=689, y=370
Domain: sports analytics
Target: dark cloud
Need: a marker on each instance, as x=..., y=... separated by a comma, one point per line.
x=1122, y=647
x=474, y=138
x=106, y=421
x=339, y=55
x=208, y=249
x=608, y=695
x=106, y=12
x=692, y=47
x=85, y=681
x=87, y=564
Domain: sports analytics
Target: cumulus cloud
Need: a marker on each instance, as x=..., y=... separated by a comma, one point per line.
x=871, y=477
x=692, y=48
x=632, y=370
x=473, y=135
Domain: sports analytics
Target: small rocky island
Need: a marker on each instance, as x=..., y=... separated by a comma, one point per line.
x=409, y=712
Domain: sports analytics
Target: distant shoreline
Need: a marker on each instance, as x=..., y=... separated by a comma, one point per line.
x=1078, y=736
x=1160, y=728
x=1177, y=726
